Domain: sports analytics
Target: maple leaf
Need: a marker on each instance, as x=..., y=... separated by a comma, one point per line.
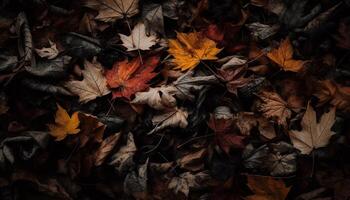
x=91, y=129
x=158, y=98
x=337, y=95
x=313, y=135
x=266, y=188
x=138, y=39
x=187, y=180
x=283, y=56
x=128, y=77
x=234, y=78
x=274, y=106
x=64, y=124
x=93, y=85
x=190, y=48
x=111, y=10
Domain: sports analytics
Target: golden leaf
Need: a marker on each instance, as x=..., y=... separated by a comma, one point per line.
x=283, y=56
x=190, y=48
x=64, y=124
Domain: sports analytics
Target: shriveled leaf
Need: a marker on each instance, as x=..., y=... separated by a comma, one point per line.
x=274, y=107
x=138, y=39
x=92, y=86
x=111, y=10
x=267, y=188
x=336, y=94
x=64, y=124
x=186, y=181
x=313, y=135
x=48, y=52
x=189, y=49
x=262, y=31
x=172, y=118
x=123, y=159
x=158, y=98
x=128, y=77
x=135, y=182
x=283, y=56
x=106, y=148
x=192, y=161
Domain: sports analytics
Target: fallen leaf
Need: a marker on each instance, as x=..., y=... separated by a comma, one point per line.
x=343, y=39
x=273, y=106
x=173, y=118
x=262, y=31
x=278, y=159
x=283, y=56
x=106, y=148
x=135, y=182
x=158, y=98
x=336, y=94
x=192, y=161
x=64, y=125
x=128, y=77
x=186, y=181
x=138, y=39
x=313, y=135
x=49, y=53
x=123, y=159
x=267, y=188
x=91, y=129
x=111, y=10
x=189, y=49
x=3, y=104
x=92, y=86
x=234, y=78
x=153, y=16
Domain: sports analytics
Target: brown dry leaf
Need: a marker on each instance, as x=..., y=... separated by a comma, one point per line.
x=343, y=38
x=173, y=118
x=246, y=121
x=135, y=182
x=313, y=135
x=189, y=49
x=3, y=104
x=111, y=10
x=192, y=161
x=123, y=159
x=283, y=56
x=91, y=129
x=234, y=78
x=48, y=52
x=336, y=94
x=64, y=124
x=106, y=148
x=92, y=86
x=128, y=77
x=274, y=107
x=267, y=188
x=187, y=180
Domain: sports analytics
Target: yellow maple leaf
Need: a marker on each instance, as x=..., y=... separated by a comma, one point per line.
x=283, y=56
x=190, y=48
x=64, y=124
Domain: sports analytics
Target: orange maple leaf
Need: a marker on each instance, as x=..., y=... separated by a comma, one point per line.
x=128, y=77
x=283, y=56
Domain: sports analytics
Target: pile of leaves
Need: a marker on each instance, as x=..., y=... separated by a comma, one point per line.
x=174, y=99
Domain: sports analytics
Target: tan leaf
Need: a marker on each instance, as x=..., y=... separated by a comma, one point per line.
x=106, y=148
x=49, y=52
x=158, y=98
x=172, y=118
x=273, y=106
x=313, y=135
x=138, y=39
x=123, y=159
x=111, y=10
x=187, y=180
x=192, y=161
x=92, y=86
